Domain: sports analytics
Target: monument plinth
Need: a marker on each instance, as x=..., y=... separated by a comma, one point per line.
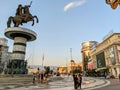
x=13, y=32
x=20, y=36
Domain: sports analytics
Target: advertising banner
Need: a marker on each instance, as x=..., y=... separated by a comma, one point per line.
x=112, y=57
x=101, y=60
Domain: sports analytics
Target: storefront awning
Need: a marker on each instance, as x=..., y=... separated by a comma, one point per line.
x=98, y=69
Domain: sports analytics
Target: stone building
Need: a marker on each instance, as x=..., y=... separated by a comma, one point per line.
x=62, y=70
x=86, y=55
x=4, y=55
x=106, y=55
x=72, y=65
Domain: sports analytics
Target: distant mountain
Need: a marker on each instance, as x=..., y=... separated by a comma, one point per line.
x=42, y=67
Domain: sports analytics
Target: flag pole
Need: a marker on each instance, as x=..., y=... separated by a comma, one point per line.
x=42, y=60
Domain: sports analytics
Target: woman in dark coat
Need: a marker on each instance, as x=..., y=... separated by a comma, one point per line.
x=79, y=81
x=75, y=81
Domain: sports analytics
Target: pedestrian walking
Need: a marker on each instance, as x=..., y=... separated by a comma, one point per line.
x=75, y=79
x=38, y=75
x=79, y=81
x=42, y=77
x=46, y=78
x=105, y=75
x=34, y=78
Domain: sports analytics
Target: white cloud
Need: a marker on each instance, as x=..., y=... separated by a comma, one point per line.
x=74, y=4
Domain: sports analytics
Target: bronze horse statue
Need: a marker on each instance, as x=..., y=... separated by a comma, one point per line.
x=19, y=20
x=23, y=15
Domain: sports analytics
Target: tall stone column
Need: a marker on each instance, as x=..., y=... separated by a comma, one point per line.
x=20, y=36
x=19, y=48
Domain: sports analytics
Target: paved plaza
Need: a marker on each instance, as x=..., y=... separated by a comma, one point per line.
x=66, y=83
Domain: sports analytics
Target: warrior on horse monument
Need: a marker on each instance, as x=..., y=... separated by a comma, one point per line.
x=23, y=15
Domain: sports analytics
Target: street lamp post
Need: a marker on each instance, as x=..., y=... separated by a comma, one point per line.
x=12, y=68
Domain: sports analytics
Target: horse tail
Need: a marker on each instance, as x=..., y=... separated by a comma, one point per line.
x=36, y=19
x=9, y=21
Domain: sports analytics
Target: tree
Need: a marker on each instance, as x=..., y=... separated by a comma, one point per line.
x=47, y=69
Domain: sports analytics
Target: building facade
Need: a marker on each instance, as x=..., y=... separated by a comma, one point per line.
x=86, y=55
x=4, y=55
x=62, y=70
x=72, y=66
x=106, y=55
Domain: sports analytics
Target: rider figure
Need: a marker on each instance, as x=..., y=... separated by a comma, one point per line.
x=23, y=11
x=26, y=9
x=19, y=10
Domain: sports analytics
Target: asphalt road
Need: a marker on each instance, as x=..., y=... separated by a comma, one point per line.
x=115, y=85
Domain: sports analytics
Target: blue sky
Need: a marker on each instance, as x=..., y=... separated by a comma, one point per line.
x=63, y=24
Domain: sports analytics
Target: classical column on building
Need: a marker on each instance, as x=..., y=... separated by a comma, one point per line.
x=116, y=54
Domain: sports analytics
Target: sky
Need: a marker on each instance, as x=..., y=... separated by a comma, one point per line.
x=63, y=24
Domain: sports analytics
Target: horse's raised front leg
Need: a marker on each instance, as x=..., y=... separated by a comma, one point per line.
x=32, y=22
x=36, y=19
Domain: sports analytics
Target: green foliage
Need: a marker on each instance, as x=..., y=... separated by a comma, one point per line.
x=47, y=69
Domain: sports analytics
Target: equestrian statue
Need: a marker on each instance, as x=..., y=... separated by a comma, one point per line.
x=23, y=15
x=113, y=3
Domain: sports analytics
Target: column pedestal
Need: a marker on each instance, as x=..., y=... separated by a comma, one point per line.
x=20, y=36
